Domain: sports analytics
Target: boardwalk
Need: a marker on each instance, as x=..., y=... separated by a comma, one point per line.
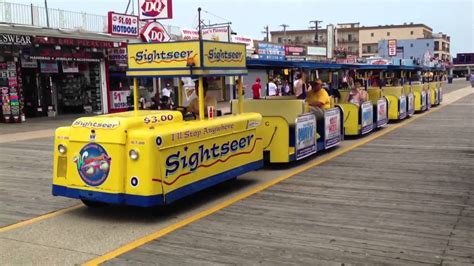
x=348, y=210
x=406, y=198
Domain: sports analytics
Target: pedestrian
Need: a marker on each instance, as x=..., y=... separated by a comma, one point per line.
x=256, y=87
x=286, y=88
x=471, y=78
x=299, y=86
x=272, y=88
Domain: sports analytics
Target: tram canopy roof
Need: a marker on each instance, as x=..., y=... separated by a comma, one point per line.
x=186, y=58
x=263, y=63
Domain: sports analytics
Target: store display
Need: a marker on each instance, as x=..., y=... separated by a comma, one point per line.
x=94, y=88
x=12, y=103
x=71, y=91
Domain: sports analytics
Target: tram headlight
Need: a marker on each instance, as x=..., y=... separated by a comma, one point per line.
x=133, y=154
x=62, y=149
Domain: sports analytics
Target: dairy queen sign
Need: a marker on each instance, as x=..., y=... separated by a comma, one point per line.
x=155, y=9
x=154, y=32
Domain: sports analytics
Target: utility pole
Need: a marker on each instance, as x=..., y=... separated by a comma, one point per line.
x=316, y=28
x=267, y=33
x=284, y=26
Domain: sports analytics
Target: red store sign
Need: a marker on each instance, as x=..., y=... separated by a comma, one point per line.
x=295, y=51
x=76, y=42
x=155, y=9
x=154, y=32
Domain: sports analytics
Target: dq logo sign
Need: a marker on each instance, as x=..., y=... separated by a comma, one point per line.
x=93, y=164
x=154, y=32
x=155, y=9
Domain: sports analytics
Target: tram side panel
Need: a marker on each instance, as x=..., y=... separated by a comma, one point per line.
x=197, y=157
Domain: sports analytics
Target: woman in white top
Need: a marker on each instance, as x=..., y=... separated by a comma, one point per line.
x=272, y=88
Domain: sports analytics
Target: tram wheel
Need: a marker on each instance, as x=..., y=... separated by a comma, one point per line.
x=93, y=204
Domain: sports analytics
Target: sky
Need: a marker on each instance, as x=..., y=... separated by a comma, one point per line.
x=249, y=17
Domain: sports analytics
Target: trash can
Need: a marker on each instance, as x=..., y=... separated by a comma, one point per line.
x=450, y=79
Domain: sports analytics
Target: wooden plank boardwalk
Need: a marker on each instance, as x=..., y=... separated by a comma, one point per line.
x=25, y=181
x=416, y=208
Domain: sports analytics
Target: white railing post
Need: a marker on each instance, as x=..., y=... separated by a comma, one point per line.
x=61, y=18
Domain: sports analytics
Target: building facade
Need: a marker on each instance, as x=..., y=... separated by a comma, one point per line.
x=299, y=37
x=370, y=36
x=414, y=49
x=463, y=64
x=347, y=38
x=442, y=47
x=352, y=39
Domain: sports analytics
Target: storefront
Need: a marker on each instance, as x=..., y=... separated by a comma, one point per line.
x=65, y=76
x=11, y=85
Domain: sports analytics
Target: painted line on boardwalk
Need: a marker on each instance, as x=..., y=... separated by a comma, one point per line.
x=39, y=218
x=169, y=229
x=21, y=136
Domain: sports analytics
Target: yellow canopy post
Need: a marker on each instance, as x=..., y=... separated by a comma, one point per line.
x=201, y=99
x=135, y=95
x=241, y=95
x=180, y=92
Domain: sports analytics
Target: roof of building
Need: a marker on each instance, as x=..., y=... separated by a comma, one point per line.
x=297, y=31
x=59, y=33
x=411, y=25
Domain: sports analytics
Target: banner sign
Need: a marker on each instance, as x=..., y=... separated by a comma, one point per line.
x=70, y=67
x=295, y=51
x=411, y=104
x=305, y=142
x=119, y=99
x=314, y=50
x=367, y=118
x=242, y=39
x=119, y=55
x=122, y=24
x=428, y=99
x=332, y=131
x=49, y=67
x=270, y=51
x=29, y=63
x=402, y=112
x=13, y=39
x=224, y=55
x=155, y=9
x=392, y=47
x=423, y=100
x=382, y=114
x=163, y=55
x=330, y=41
x=220, y=34
x=154, y=32
x=189, y=34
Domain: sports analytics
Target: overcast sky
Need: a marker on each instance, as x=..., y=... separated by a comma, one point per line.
x=248, y=17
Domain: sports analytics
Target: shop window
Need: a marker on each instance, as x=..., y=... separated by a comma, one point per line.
x=280, y=40
x=369, y=49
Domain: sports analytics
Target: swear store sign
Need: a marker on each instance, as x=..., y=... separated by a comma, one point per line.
x=155, y=9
